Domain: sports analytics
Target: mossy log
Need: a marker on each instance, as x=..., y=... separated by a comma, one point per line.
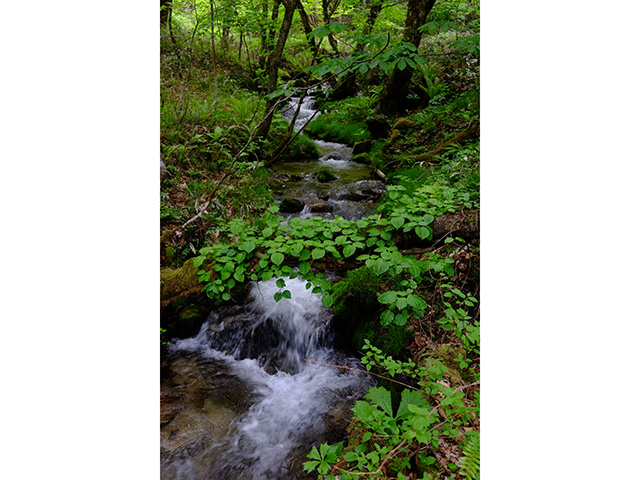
x=471, y=132
x=179, y=283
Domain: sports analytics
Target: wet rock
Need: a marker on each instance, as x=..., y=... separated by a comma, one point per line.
x=356, y=196
x=325, y=175
x=378, y=127
x=362, y=158
x=163, y=171
x=320, y=208
x=363, y=146
x=291, y=205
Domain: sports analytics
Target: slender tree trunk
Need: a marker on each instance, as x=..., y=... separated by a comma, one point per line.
x=307, y=28
x=348, y=86
x=165, y=11
x=394, y=95
x=274, y=62
x=328, y=9
x=215, y=61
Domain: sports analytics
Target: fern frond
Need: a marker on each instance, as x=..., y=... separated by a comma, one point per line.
x=470, y=461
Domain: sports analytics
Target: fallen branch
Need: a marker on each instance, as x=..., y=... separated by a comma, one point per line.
x=472, y=131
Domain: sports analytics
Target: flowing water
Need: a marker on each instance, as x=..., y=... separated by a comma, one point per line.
x=352, y=195
x=248, y=396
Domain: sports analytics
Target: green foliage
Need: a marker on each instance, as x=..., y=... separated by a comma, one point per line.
x=392, y=434
x=470, y=461
x=342, y=121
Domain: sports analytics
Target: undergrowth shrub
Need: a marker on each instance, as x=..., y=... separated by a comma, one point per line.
x=342, y=121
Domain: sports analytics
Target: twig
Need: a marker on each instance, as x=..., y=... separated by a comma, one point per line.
x=362, y=371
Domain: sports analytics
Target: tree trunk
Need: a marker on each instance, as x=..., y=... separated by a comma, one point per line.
x=273, y=63
x=348, y=87
x=328, y=9
x=165, y=11
x=307, y=28
x=394, y=95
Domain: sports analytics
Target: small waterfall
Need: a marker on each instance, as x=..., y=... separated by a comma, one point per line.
x=263, y=348
x=352, y=195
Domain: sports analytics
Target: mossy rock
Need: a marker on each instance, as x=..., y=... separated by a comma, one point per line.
x=403, y=123
x=378, y=127
x=179, y=283
x=363, y=146
x=362, y=158
x=324, y=175
x=291, y=205
x=394, y=136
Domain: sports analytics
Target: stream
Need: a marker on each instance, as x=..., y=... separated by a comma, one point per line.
x=247, y=397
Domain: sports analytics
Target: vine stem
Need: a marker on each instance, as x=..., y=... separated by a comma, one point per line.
x=362, y=371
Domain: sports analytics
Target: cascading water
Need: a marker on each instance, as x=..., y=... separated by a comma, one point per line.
x=252, y=390
x=352, y=195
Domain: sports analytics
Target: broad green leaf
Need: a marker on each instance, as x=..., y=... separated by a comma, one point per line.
x=304, y=267
x=397, y=222
x=416, y=302
x=349, y=250
x=277, y=258
x=380, y=266
x=280, y=283
x=401, y=303
x=423, y=232
x=304, y=255
x=388, y=297
x=286, y=294
x=381, y=397
x=267, y=232
x=317, y=253
x=387, y=317
x=327, y=300
x=410, y=397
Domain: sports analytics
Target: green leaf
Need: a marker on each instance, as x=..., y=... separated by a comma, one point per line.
x=380, y=266
x=401, y=303
x=387, y=317
x=277, y=258
x=314, y=454
x=286, y=294
x=304, y=267
x=304, y=255
x=310, y=466
x=423, y=232
x=349, y=250
x=410, y=397
x=401, y=64
x=267, y=232
x=280, y=283
x=381, y=397
x=226, y=296
x=388, y=297
x=397, y=222
x=416, y=302
x=327, y=300
x=317, y=253
x=198, y=261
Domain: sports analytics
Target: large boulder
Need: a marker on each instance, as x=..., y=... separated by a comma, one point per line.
x=324, y=175
x=363, y=146
x=378, y=127
x=291, y=205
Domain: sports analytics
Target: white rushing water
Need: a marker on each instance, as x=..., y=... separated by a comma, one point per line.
x=291, y=397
